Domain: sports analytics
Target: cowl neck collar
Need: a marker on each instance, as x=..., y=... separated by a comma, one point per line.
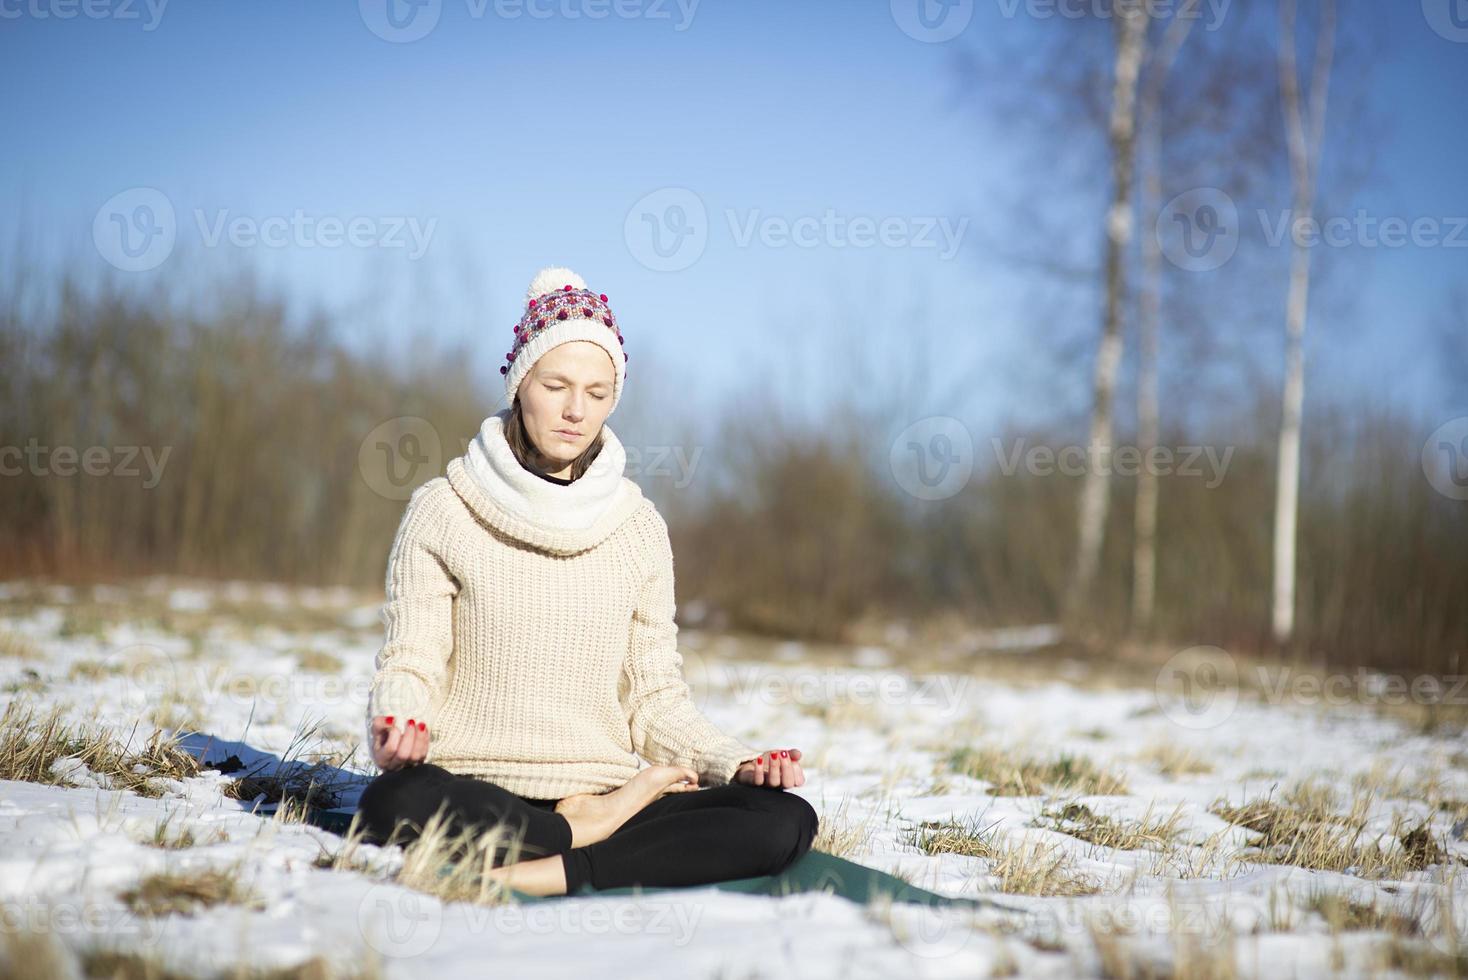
x=555, y=518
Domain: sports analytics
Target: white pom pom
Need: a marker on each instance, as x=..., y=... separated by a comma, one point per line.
x=552, y=279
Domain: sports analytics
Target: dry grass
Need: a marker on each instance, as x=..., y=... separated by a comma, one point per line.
x=320, y=661
x=1304, y=828
x=1080, y=821
x=1172, y=760
x=17, y=646
x=136, y=966
x=845, y=713
x=1012, y=774
x=187, y=892
x=293, y=784
x=172, y=838
x=1027, y=868
x=30, y=746
x=840, y=837
x=457, y=865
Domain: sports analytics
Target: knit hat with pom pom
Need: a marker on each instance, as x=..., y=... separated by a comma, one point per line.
x=559, y=308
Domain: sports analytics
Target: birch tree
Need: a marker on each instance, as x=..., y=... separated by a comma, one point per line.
x=1144, y=547
x=1304, y=133
x=1130, y=31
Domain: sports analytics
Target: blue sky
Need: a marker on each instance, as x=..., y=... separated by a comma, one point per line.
x=520, y=142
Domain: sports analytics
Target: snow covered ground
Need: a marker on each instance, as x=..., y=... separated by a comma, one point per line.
x=1111, y=823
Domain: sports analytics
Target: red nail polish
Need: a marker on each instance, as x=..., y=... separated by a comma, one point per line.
x=423, y=726
x=410, y=722
x=389, y=719
x=759, y=761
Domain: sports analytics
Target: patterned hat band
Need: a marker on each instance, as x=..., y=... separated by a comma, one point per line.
x=566, y=303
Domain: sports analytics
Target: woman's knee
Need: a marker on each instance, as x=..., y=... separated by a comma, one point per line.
x=785, y=829
x=395, y=795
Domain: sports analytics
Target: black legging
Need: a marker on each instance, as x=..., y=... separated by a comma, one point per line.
x=719, y=833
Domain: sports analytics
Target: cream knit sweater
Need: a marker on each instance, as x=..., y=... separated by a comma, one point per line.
x=531, y=626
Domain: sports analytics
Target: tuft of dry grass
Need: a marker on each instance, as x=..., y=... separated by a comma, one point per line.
x=1303, y=828
x=320, y=661
x=187, y=892
x=1029, y=867
x=460, y=865
x=1010, y=773
x=1080, y=821
x=30, y=746
x=17, y=646
x=1173, y=760
x=840, y=837
x=172, y=838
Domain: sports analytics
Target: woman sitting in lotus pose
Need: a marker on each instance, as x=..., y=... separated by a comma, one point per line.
x=530, y=656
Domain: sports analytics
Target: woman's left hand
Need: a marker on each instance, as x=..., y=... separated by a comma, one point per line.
x=777, y=769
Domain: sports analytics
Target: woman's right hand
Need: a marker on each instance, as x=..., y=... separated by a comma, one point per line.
x=393, y=748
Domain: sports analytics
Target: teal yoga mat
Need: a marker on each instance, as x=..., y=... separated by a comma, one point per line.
x=816, y=871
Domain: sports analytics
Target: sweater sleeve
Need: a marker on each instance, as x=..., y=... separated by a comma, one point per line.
x=667, y=728
x=418, y=616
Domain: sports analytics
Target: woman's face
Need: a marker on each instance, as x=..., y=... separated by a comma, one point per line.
x=565, y=399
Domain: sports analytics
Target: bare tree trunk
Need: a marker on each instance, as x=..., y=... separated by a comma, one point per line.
x=1144, y=547
x=1131, y=35
x=1305, y=148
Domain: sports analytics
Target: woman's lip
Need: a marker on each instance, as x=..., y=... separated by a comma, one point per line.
x=568, y=434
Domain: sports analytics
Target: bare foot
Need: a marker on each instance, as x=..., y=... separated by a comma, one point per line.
x=595, y=816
